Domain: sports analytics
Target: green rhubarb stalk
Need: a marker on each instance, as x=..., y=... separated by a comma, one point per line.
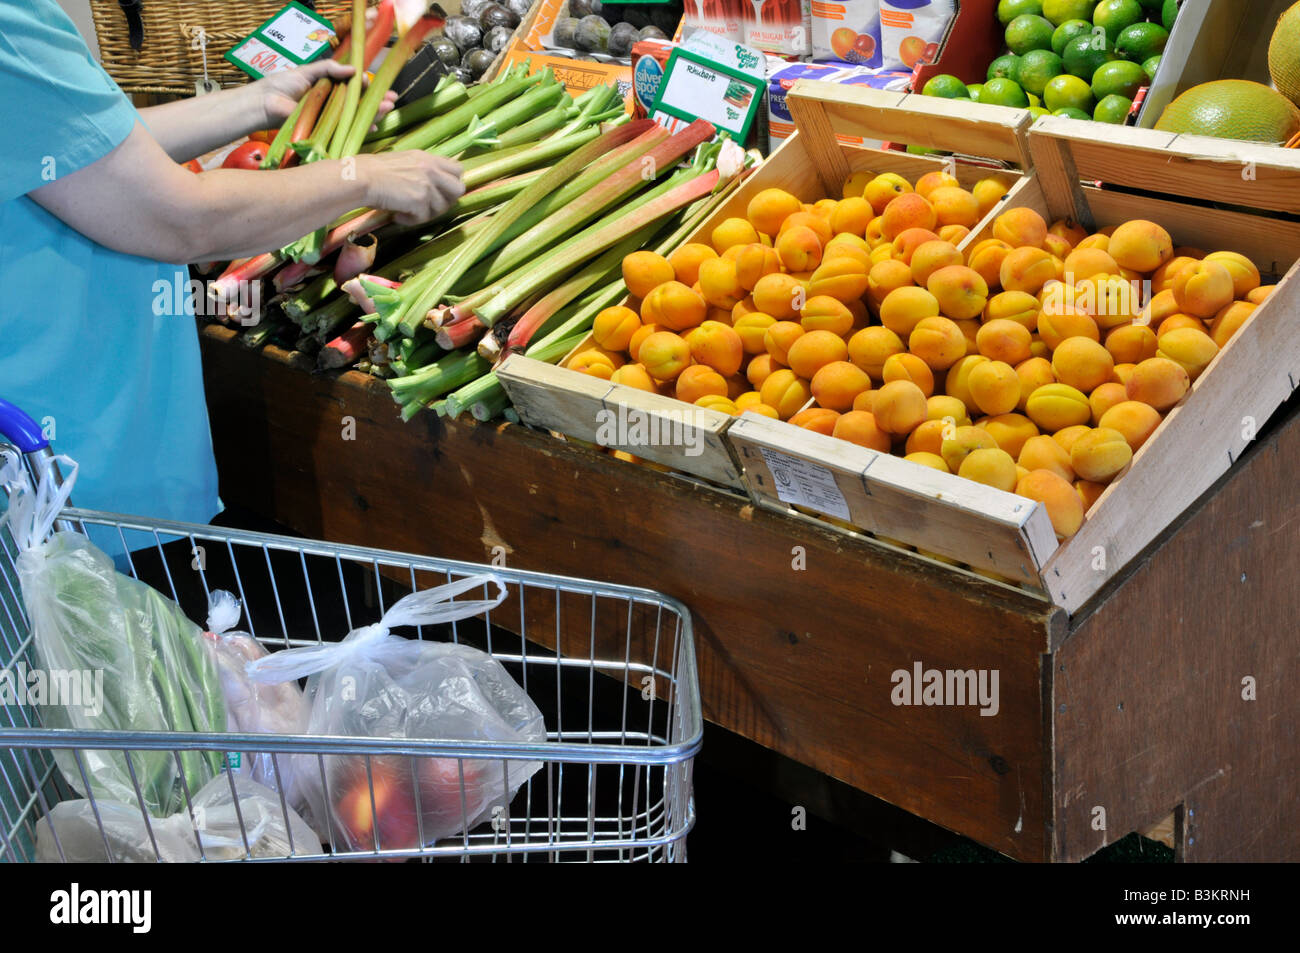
x=451, y=123
x=430, y=383
x=478, y=133
x=581, y=316
x=522, y=108
x=491, y=404
x=494, y=165
x=536, y=128
x=493, y=194
x=420, y=300
x=343, y=133
x=593, y=242
x=449, y=94
x=316, y=146
x=280, y=144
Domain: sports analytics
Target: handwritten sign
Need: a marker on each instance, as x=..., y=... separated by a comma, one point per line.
x=695, y=87
x=292, y=37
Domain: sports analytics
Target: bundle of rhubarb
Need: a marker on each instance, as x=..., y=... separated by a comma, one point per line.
x=558, y=191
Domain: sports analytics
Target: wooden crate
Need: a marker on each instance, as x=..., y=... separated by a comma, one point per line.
x=811, y=164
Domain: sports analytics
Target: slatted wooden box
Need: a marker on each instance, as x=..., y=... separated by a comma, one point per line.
x=812, y=165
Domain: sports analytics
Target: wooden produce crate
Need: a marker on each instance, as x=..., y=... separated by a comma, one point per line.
x=811, y=164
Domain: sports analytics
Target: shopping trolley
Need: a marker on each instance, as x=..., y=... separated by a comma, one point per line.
x=611, y=667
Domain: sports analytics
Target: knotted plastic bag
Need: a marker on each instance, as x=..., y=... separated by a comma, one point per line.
x=253, y=707
x=71, y=833
x=377, y=685
x=112, y=653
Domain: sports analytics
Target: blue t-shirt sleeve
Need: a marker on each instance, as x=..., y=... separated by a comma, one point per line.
x=59, y=110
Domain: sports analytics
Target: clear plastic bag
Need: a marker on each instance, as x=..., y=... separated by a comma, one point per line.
x=253, y=707
x=114, y=653
x=373, y=684
x=70, y=832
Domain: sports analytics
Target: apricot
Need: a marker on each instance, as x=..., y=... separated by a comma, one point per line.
x=1026, y=269
x=1067, y=436
x=613, y=328
x=1245, y=274
x=884, y=277
x=953, y=205
x=759, y=368
x=1057, y=406
x=718, y=346
x=1111, y=300
x=1135, y=420
x=685, y=262
x=852, y=216
x=811, y=351
x=955, y=234
x=837, y=384
x=761, y=409
x=768, y=209
x=1083, y=263
x=1228, y=321
x=1061, y=501
x=664, y=355
x=1162, y=279
x=957, y=381
x=875, y=237
x=1131, y=343
x=643, y=271
x=779, y=295
x=1096, y=240
x=928, y=438
x=699, y=380
x=905, y=244
x=938, y=341
x=799, y=249
x=1068, y=229
x=785, y=392
x=1261, y=294
x=674, y=306
x=947, y=409
x=1058, y=247
x=1020, y=227
x=1193, y=350
x=994, y=387
x=931, y=460
x=1033, y=373
x=899, y=407
x=1082, y=363
x=990, y=467
x=1099, y=455
x=930, y=256
x=871, y=347
x=1010, y=431
x=860, y=427
x=641, y=333
x=778, y=338
x=719, y=402
x=1003, y=340
x=747, y=399
x=859, y=311
x=1089, y=493
x=1203, y=289
x=1140, y=245
x=962, y=442
x=1177, y=322
x=1104, y=397
x=906, y=211
x=884, y=188
x=904, y=308
x=752, y=328
x=818, y=225
x=1044, y=453
x=842, y=278
x=731, y=232
x=865, y=401
x=1158, y=381
x=960, y=291
x=1018, y=306
x=1055, y=327
x=743, y=307
x=751, y=262
x=593, y=362
x=818, y=419
x=908, y=367
x=825, y=208
x=935, y=180
x=988, y=193
x=986, y=258
x=824, y=313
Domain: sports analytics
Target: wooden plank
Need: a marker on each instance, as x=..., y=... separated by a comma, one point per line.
x=657, y=428
x=997, y=132
x=798, y=626
x=1147, y=691
x=1195, y=444
x=1058, y=180
x=978, y=525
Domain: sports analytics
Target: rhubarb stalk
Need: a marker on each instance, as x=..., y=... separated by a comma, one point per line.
x=356, y=256
x=346, y=349
x=448, y=95
x=352, y=96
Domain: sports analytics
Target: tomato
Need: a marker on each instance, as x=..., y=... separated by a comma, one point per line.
x=193, y=165
x=247, y=156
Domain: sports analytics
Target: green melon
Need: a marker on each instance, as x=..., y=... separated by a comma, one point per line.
x=1284, y=54
x=1232, y=109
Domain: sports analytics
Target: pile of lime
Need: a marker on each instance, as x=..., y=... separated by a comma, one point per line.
x=1085, y=59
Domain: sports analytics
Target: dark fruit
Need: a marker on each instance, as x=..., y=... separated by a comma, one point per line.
x=494, y=14
x=447, y=51
x=621, y=38
x=478, y=62
x=464, y=32
x=497, y=39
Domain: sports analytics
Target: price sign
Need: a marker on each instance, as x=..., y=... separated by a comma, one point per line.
x=695, y=87
x=290, y=38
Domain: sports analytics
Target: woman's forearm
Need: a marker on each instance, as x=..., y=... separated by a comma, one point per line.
x=188, y=128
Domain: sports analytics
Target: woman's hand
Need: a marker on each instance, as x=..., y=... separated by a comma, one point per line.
x=417, y=186
x=279, y=93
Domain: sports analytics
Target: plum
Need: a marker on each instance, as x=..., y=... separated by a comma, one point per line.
x=563, y=34
x=494, y=14
x=497, y=39
x=478, y=62
x=651, y=32
x=621, y=38
x=447, y=51
x=464, y=32
x=592, y=35
x=519, y=8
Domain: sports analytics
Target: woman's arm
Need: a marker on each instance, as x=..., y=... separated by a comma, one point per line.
x=138, y=200
x=190, y=127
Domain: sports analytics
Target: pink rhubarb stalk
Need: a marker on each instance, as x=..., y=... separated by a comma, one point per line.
x=346, y=349
x=354, y=289
x=457, y=334
x=356, y=256
x=245, y=269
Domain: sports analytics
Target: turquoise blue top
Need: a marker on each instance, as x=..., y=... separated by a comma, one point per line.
x=91, y=342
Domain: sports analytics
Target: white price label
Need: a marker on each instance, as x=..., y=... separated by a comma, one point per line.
x=298, y=33
x=801, y=483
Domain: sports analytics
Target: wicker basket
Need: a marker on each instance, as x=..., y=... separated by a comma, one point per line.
x=171, y=60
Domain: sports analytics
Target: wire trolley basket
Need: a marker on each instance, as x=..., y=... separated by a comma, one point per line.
x=612, y=669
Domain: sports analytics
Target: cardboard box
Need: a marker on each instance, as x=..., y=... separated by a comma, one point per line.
x=780, y=124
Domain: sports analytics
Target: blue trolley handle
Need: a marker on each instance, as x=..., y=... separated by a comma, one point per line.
x=20, y=430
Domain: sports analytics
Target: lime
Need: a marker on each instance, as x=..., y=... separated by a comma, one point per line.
x=1168, y=13
x=1004, y=92
x=1058, y=11
x=1037, y=111
x=1005, y=67
x=1113, y=109
x=1115, y=15
x=1037, y=67
x=945, y=85
x=1120, y=78
x=1034, y=100
x=1141, y=41
x=1008, y=10
x=975, y=90
x=1150, y=67
x=1067, y=92
x=1066, y=32
x=1029, y=33
x=1071, y=113
x=1085, y=54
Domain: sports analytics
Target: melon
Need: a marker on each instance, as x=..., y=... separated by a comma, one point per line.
x=1232, y=109
x=1284, y=54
